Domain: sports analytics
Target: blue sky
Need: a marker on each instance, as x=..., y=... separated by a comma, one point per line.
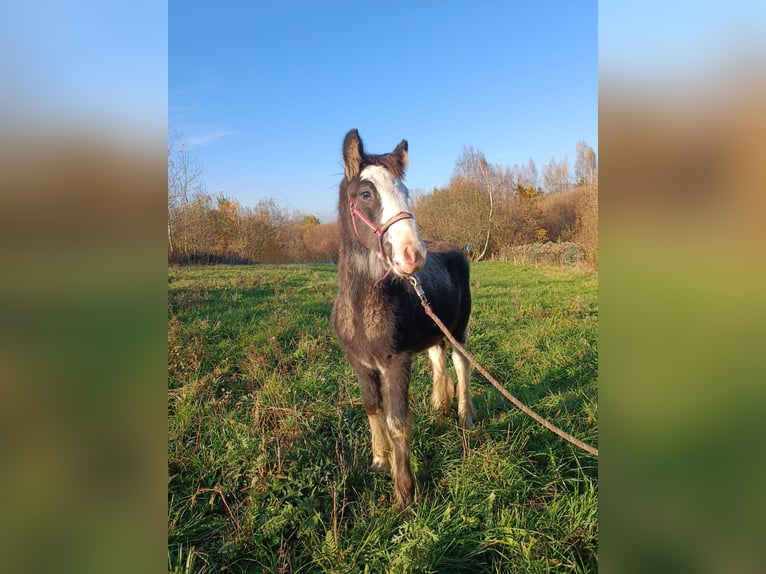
x=90, y=65
x=660, y=45
x=263, y=92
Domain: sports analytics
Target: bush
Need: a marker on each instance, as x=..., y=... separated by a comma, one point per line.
x=564, y=254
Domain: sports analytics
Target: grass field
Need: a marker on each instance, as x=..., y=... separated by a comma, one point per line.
x=269, y=444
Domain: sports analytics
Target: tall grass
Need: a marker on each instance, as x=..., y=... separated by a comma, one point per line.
x=269, y=444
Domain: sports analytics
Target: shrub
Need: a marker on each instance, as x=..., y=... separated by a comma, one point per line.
x=563, y=254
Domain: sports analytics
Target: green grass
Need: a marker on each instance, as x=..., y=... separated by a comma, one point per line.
x=269, y=444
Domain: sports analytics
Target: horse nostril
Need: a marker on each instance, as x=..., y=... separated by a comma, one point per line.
x=410, y=255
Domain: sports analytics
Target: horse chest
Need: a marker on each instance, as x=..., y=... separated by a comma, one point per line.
x=363, y=320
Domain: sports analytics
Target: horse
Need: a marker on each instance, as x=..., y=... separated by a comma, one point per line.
x=378, y=317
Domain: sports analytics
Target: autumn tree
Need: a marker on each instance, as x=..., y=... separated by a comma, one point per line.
x=560, y=213
x=556, y=177
x=521, y=216
x=185, y=186
x=457, y=213
x=586, y=170
x=321, y=241
x=198, y=231
x=226, y=219
x=263, y=230
x=473, y=168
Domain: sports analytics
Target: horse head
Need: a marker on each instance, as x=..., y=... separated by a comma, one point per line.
x=378, y=198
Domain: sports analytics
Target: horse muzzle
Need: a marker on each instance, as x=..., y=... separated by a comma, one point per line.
x=411, y=259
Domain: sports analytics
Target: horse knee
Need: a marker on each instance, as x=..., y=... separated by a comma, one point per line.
x=398, y=426
x=371, y=398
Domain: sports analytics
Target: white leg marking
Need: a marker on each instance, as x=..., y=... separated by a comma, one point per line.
x=381, y=443
x=466, y=412
x=443, y=389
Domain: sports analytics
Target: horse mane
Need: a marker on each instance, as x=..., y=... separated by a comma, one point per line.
x=395, y=161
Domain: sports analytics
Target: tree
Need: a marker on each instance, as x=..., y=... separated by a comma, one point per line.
x=523, y=177
x=310, y=220
x=523, y=216
x=184, y=185
x=560, y=213
x=472, y=166
x=456, y=213
x=264, y=231
x=198, y=231
x=586, y=171
x=226, y=218
x=555, y=176
x=321, y=242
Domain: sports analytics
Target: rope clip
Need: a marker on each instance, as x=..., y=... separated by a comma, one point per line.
x=415, y=281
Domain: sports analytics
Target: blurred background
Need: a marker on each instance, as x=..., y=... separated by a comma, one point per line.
x=682, y=129
x=83, y=149
x=83, y=136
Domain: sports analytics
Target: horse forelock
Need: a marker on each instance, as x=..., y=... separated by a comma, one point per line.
x=389, y=161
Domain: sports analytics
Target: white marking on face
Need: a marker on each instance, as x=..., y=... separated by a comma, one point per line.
x=393, y=193
x=394, y=198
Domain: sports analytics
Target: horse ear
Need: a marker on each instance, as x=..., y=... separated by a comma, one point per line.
x=353, y=152
x=400, y=152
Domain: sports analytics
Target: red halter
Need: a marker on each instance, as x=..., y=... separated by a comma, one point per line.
x=379, y=231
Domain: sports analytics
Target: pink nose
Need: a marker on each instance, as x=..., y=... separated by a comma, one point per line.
x=413, y=259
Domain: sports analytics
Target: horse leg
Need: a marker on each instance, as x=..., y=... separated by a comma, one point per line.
x=396, y=382
x=369, y=381
x=443, y=390
x=381, y=443
x=466, y=413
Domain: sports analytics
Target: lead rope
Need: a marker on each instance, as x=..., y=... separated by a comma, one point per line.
x=415, y=281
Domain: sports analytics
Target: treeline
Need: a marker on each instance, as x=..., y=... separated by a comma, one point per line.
x=216, y=229
x=489, y=210
x=219, y=230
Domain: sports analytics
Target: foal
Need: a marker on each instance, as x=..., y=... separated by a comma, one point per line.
x=377, y=315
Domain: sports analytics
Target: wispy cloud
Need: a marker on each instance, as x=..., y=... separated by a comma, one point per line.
x=202, y=136
x=207, y=82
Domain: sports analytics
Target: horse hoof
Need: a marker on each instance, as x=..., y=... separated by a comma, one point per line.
x=466, y=414
x=404, y=496
x=466, y=420
x=380, y=465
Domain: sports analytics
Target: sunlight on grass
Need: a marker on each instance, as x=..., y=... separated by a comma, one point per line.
x=269, y=443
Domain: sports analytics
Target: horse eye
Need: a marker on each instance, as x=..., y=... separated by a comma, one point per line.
x=366, y=195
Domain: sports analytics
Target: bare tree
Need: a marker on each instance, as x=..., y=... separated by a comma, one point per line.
x=524, y=177
x=586, y=171
x=555, y=176
x=184, y=183
x=472, y=166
